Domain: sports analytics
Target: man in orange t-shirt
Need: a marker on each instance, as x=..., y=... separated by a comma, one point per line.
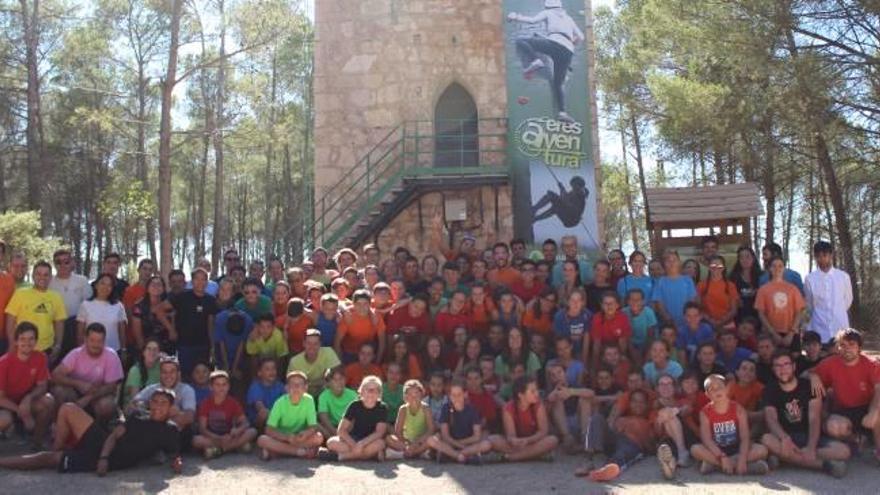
x=503, y=274
x=364, y=366
x=358, y=326
x=780, y=306
x=298, y=320
x=135, y=292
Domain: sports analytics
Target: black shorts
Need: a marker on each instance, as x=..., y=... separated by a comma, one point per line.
x=855, y=416
x=801, y=438
x=730, y=450
x=84, y=457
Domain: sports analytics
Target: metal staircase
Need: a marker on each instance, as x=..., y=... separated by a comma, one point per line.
x=413, y=158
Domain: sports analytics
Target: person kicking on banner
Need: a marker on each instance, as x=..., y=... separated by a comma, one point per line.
x=558, y=44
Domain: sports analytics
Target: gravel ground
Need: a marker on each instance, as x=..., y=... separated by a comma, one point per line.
x=242, y=474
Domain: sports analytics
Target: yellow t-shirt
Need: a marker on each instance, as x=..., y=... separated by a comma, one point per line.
x=42, y=308
x=275, y=346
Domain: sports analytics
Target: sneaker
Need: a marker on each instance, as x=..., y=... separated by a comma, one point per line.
x=836, y=469
x=394, y=455
x=685, y=461
x=707, y=467
x=549, y=456
x=494, y=457
x=265, y=455
x=757, y=467
x=474, y=460
x=666, y=460
x=246, y=448
x=773, y=462
x=328, y=455
x=212, y=453
x=426, y=455
x=607, y=472
x=565, y=117
x=160, y=458
x=537, y=64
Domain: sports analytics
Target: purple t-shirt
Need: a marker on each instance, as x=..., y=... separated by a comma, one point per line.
x=103, y=369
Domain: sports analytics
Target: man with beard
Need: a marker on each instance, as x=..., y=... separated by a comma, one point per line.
x=794, y=417
x=855, y=379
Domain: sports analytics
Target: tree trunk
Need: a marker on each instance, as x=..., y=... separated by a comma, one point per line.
x=219, y=222
x=844, y=234
x=637, y=143
x=165, y=238
x=629, y=199
x=270, y=152
x=36, y=171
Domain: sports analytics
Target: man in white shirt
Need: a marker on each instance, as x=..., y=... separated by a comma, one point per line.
x=828, y=292
x=74, y=289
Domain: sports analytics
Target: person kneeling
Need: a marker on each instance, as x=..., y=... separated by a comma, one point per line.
x=724, y=434
x=526, y=425
x=794, y=418
x=223, y=426
x=414, y=425
x=292, y=427
x=361, y=432
x=461, y=430
x=128, y=444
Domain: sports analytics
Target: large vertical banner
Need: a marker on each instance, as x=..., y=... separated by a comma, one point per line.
x=548, y=108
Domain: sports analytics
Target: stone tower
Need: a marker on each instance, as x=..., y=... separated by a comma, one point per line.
x=386, y=69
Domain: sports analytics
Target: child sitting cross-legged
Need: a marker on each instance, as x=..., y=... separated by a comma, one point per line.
x=526, y=425
x=414, y=425
x=461, y=429
x=223, y=426
x=725, y=440
x=292, y=427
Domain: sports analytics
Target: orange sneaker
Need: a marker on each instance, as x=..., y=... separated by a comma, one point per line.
x=605, y=473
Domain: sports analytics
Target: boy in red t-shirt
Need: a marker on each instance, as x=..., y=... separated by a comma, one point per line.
x=482, y=400
x=855, y=378
x=609, y=327
x=746, y=391
x=364, y=366
x=24, y=382
x=223, y=426
x=725, y=440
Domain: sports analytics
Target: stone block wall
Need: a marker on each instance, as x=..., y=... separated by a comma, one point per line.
x=409, y=231
x=381, y=62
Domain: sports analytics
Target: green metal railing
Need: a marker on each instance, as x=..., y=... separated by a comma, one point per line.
x=421, y=148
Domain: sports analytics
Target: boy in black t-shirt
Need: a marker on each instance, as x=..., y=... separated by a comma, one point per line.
x=361, y=432
x=793, y=416
x=461, y=430
x=811, y=354
x=96, y=450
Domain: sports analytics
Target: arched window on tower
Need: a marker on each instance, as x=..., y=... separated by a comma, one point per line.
x=455, y=129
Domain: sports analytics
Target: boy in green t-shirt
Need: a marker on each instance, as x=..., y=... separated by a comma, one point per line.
x=392, y=392
x=265, y=341
x=333, y=401
x=292, y=428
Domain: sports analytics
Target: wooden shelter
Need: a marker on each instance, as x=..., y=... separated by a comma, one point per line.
x=676, y=213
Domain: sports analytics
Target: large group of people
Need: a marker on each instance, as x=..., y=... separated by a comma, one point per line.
x=467, y=355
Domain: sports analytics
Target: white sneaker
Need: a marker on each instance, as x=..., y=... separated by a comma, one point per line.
x=535, y=65
x=565, y=117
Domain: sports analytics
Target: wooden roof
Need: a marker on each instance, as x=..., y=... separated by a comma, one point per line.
x=708, y=203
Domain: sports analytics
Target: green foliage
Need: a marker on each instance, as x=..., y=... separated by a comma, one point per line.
x=21, y=233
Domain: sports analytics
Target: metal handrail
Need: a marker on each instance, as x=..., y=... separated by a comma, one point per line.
x=403, y=149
